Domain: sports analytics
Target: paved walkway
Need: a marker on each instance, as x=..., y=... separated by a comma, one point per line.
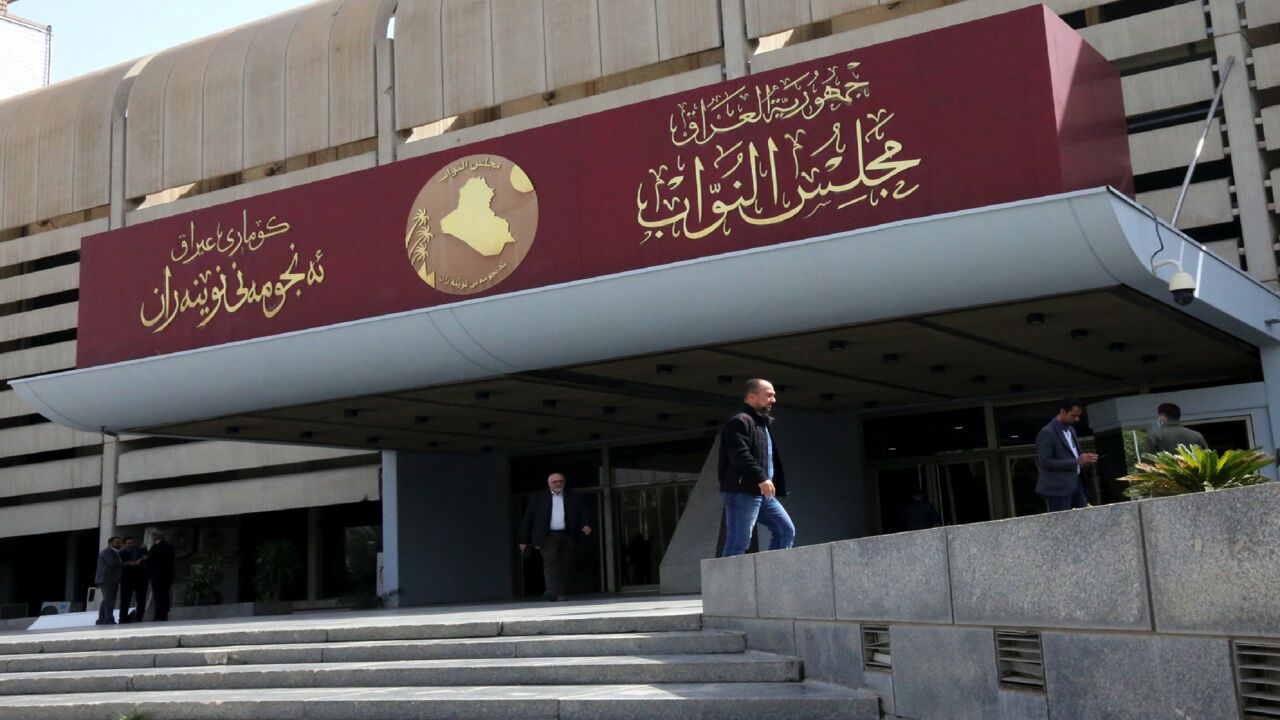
x=618, y=606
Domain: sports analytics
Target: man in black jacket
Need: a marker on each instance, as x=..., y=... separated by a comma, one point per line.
x=159, y=565
x=134, y=580
x=751, y=475
x=553, y=520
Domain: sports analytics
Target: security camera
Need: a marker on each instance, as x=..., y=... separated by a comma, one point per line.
x=1183, y=288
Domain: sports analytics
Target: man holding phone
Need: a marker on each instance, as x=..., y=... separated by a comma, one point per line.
x=1060, y=461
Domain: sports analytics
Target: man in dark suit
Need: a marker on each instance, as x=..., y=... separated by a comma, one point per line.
x=553, y=520
x=1060, y=461
x=159, y=566
x=107, y=578
x=133, y=580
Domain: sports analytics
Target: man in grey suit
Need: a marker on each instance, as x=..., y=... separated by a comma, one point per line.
x=1059, y=458
x=107, y=578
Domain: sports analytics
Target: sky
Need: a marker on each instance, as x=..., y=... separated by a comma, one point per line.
x=90, y=35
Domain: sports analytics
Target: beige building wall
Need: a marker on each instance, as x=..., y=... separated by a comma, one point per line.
x=323, y=91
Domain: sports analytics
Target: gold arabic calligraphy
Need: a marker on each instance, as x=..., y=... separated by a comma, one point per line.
x=796, y=172
x=217, y=291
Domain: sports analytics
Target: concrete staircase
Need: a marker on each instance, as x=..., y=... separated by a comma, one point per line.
x=599, y=666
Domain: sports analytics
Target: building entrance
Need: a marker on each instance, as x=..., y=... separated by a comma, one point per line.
x=927, y=494
x=635, y=495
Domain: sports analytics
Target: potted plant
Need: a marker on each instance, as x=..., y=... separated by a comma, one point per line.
x=275, y=566
x=201, y=587
x=1193, y=469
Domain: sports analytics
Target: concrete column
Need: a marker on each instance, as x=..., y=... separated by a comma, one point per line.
x=390, y=528
x=737, y=48
x=107, y=512
x=451, y=527
x=384, y=74
x=1247, y=163
x=69, y=583
x=315, y=561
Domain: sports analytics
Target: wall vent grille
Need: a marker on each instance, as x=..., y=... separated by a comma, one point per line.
x=1258, y=673
x=1020, y=660
x=875, y=647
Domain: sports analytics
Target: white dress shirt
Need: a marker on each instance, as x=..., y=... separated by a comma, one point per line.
x=557, y=511
x=1071, y=445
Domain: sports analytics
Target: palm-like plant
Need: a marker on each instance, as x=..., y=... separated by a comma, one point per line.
x=274, y=568
x=1193, y=469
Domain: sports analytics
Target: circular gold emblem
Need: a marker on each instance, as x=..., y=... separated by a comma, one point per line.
x=472, y=224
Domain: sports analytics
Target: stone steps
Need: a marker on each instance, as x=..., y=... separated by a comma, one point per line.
x=749, y=667
x=702, y=701
x=677, y=642
x=157, y=636
x=529, y=662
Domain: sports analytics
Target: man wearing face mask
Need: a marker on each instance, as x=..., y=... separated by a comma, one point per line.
x=751, y=475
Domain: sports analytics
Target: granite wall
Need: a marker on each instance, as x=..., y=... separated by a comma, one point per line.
x=1136, y=604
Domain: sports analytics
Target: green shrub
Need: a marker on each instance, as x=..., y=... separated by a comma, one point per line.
x=275, y=567
x=1192, y=469
x=203, y=578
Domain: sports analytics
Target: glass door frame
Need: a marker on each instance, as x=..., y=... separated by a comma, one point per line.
x=929, y=465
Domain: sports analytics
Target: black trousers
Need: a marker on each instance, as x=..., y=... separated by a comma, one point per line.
x=107, y=593
x=557, y=559
x=130, y=587
x=160, y=596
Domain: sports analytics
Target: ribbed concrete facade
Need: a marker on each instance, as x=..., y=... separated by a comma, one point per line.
x=323, y=91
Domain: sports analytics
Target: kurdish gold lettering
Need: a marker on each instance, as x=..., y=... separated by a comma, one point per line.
x=214, y=292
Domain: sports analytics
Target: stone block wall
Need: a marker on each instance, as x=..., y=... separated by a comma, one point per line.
x=1136, y=605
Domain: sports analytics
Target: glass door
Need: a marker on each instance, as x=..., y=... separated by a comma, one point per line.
x=962, y=490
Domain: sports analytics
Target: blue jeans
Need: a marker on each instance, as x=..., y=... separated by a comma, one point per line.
x=1077, y=499
x=740, y=515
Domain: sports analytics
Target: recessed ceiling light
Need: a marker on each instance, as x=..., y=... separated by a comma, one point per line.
x=609, y=410
x=1035, y=318
x=890, y=358
x=959, y=427
x=1116, y=347
x=1017, y=388
x=421, y=419
x=836, y=345
x=484, y=425
x=937, y=369
x=1014, y=437
x=1150, y=359
x=893, y=449
x=549, y=403
x=663, y=369
x=1079, y=333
